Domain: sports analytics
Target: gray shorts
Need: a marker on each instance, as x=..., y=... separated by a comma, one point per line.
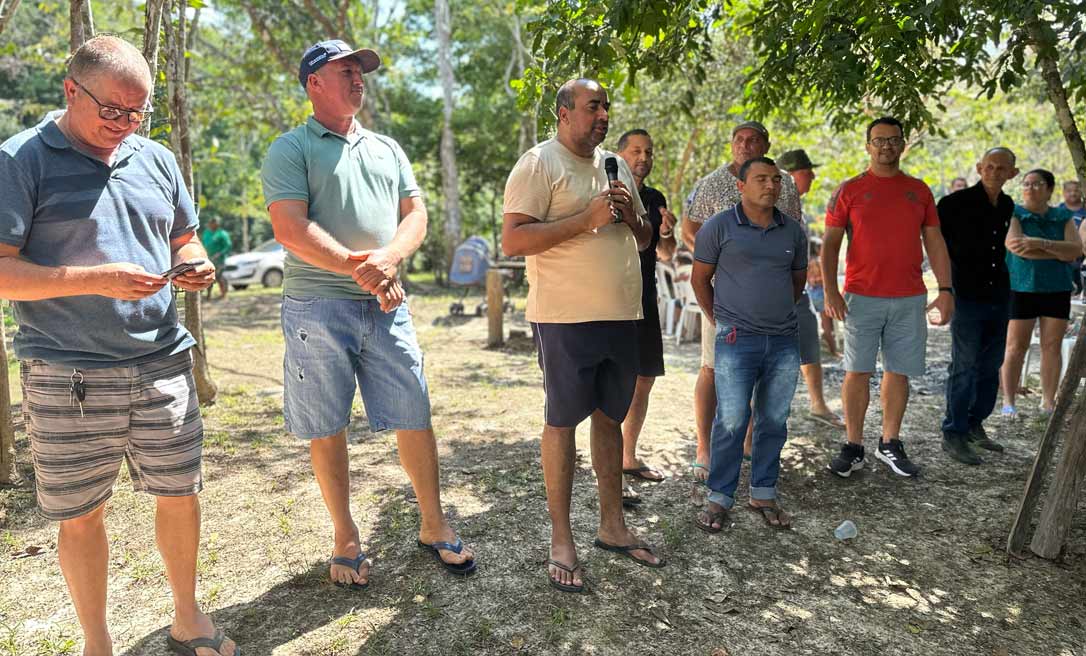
x=810, y=351
x=897, y=325
x=146, y=414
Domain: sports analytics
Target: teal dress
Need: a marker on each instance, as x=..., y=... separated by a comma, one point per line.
x=1040, y=276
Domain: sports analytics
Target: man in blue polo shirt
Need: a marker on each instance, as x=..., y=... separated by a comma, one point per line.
x=345, y=205
x=759, y=259
x=92, y=217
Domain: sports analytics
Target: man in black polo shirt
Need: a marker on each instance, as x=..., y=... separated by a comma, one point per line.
x=635, y=147
x=974, y=223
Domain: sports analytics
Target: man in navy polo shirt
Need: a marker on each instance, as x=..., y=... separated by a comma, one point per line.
x=759, y=259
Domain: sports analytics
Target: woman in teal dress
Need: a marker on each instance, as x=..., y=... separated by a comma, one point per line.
x=1040, y=242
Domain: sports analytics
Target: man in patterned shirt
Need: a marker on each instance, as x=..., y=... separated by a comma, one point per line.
x=715, y=193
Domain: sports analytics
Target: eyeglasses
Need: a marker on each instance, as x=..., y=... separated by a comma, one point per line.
x=1034, y=185
x=111, y=113
x=879, y=142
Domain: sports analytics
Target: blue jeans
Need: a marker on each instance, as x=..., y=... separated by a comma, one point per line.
x=979, y=334
x=764, y=368
x=332, y=344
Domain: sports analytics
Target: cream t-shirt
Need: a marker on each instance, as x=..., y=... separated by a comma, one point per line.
x=595, y=276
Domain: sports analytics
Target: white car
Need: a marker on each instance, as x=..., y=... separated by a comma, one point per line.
x=263, y=265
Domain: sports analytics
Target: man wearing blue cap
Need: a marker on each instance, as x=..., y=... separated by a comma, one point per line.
x=344, y=203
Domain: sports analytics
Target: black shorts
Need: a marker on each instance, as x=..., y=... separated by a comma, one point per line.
x=1030, y=305
x=587, y=366
x=650, y=343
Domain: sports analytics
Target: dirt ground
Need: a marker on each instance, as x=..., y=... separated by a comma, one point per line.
x=926, y=575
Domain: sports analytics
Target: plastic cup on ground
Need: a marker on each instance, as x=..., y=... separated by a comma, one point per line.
x=846, y=531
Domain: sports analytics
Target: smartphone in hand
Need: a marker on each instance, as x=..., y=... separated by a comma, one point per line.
x=182, y=269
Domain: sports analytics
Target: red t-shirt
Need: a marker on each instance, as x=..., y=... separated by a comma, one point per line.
x=883, y=217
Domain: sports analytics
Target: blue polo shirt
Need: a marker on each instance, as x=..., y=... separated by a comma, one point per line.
x=61, y=207
x=752, y=289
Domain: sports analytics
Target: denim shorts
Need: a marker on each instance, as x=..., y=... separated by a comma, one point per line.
x=330, y=344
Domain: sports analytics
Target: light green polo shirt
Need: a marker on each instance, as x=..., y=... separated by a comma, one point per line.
x=353, y=185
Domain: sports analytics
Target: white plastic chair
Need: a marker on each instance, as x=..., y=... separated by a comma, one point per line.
x=690, y=309
x=666, y=302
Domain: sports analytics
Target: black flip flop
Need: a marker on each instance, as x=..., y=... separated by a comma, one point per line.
x=565, y=568
x=714, y=517
x=189, y=647
x=460, y=569
x=763, y=510
x=355, y=564
x=625, y=550
x=639, y=472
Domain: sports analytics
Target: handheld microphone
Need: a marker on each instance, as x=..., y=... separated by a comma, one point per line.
x=610, y=165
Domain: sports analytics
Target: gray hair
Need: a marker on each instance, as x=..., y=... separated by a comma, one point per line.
x=110, y=56
x=1000, y=149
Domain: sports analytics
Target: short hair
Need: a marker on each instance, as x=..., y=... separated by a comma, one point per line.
x=564, y=98
x=112, y=56
x=750, y=162
x=624, y=140
x=959, y=178
x=1000, y=149
x=1070, y=183
x=1043, y=174
x=884, y=120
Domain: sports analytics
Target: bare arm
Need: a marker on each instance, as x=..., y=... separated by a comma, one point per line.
x=937, y=254
x=1034, y=248
x=21, y=280
x=528, y=235
x=665, y=248
x=831, y=252
x=799, y=283
x=689, y=232
x=701, y=280
x=307, y=240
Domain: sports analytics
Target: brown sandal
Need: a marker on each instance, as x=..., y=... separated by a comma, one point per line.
x=770, y=513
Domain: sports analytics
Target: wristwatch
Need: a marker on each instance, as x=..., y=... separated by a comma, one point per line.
x=949, y=290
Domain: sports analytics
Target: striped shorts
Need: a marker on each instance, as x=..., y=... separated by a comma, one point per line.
x=146, y=414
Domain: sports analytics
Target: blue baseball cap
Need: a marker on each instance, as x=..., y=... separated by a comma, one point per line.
x=322, y=52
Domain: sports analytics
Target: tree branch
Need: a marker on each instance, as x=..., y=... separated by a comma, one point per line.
x=7, y=11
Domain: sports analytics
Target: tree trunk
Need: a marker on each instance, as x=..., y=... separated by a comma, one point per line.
x=680, y=173
x=7, y=10
x=181, y=143
x=8, y=475
x=76, y=24
x=450, y=179
x=529, y=126
x=1063, y=491
x=152, y=25
x=1048, y=62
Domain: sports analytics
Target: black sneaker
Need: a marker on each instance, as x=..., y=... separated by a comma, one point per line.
x=893, y=454
x=957, y=445
x=979, y=437
x=850, y=459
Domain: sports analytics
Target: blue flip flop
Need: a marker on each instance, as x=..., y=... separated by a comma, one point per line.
x=460, y=569
x=355, y=564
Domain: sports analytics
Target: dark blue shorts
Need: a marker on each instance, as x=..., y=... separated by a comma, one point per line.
x=587, y=367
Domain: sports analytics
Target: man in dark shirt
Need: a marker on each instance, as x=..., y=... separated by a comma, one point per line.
x=635, y=147
x=974, y=223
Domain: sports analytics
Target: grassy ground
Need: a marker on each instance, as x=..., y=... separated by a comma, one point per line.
x=926, y=575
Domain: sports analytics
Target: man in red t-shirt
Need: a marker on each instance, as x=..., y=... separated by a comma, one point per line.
x=887, y=215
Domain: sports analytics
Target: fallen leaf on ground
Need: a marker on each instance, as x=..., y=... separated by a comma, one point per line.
x=28, y=552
